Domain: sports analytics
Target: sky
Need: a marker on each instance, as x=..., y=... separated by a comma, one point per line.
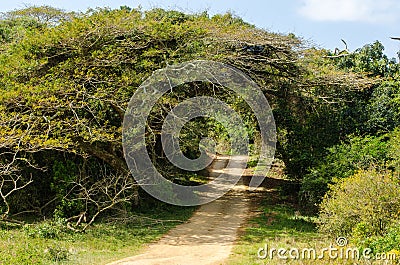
x=320, y=22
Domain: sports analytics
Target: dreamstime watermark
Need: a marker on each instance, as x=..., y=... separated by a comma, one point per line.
x=164, y=80
x=339, y=251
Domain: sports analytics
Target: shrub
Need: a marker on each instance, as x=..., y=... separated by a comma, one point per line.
x=47, y=230
x=56, y=253
x=394, y=150
x=368, y=201
x=343, y=161
x=388, y=243
x=383, y=108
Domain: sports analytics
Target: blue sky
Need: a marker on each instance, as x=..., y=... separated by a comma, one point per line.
x=323, y=22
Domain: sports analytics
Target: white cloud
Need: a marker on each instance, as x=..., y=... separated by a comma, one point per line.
x=375, y=11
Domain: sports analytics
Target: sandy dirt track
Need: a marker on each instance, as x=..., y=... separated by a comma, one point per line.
x=208, y=236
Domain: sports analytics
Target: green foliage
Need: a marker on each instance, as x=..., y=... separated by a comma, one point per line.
x=365, y=123
x=389, y=242
x=369, y=59
x=318, y=113
x=63, y=175
x=56, y=253
x=383, y=109
x=394, y=150
x=64, y=87
x=47, y=229
x=367, y=201
x=341, y=162
x=13, y=30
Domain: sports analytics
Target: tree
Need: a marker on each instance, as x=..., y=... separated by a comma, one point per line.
x=364, y=123
x=46, y=15
x=64, y=88
x=342, y=161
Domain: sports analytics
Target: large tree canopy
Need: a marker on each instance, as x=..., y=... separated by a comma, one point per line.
x=65, y=85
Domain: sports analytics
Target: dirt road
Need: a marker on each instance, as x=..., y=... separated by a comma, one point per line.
x=208, y=236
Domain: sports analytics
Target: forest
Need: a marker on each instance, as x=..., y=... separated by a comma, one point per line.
x=65, y=83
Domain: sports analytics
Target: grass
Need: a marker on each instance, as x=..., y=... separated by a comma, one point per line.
x=276, y=223
x=49, y=242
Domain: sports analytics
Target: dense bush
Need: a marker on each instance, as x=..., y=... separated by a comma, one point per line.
x=343, y=161
x=389, y=242
x=383, y=109
x=367, y=201
x=394, y=150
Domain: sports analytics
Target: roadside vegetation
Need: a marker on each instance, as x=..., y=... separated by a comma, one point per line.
x=51, y=242
x=65, y=83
